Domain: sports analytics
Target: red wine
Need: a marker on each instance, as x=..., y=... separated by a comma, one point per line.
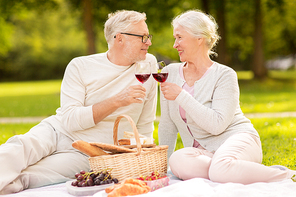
x=160, y=77
x=142, y=77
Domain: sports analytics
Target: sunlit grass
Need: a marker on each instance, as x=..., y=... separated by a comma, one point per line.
x=35, y=98
x=268, y=96
x=29, y=105
x=278, y=137
x=30, y=88
x=8, y=130
x=41, y=98
x=245, y=75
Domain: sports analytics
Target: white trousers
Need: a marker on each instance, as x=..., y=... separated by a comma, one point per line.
x=40, y=157
x=238, y=160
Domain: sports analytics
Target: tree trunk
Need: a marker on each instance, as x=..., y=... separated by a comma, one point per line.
x=222, y=46
x=258, y=67
x=205, y=6
x=88, y=26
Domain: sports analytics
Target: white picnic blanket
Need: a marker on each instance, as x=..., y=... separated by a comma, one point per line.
x=197, y=187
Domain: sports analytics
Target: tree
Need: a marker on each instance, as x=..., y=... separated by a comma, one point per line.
x=221, y=21
x=89, y=26
x=95, y=14
x=205, y=6
x=258, y=66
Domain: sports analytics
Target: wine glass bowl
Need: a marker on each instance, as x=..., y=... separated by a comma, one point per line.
x=142, y=71
x=160, y=76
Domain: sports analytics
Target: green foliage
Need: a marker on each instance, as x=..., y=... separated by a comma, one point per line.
x=39, y=37
x=6, y=30
x=240, y=32
x=280, y=29
x=43, y=43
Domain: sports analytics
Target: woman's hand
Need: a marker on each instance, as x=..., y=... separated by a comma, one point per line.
x=170, y=91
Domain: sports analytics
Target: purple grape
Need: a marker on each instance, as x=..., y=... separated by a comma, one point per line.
x=80, y=177
x=90, y=182
x=79, y=184
x=82, y=172
x=74, y=183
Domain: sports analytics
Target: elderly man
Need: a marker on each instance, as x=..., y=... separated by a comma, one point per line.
x=95, y=90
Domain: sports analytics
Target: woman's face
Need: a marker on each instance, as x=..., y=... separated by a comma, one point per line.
x=187, y=45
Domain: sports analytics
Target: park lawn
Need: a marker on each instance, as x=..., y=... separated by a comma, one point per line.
x=269, y=96
x=8, y=130
x=41, y=98
x=27, y=99
x=278, y=137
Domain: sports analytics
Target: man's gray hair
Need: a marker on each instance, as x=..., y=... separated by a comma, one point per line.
x=120, y=21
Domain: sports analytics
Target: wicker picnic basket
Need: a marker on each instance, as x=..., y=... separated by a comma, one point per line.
x=131, y=165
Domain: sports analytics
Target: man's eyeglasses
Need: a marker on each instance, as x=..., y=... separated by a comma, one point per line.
x=144, y=37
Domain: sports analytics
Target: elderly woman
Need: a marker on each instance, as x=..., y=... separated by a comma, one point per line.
x=200, y=100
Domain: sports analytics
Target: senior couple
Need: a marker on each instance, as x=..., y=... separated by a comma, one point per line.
x=199, y=100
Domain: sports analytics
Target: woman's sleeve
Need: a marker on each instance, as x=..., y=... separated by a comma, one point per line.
x=225, y=100
x=167, y=130
x=75, y=115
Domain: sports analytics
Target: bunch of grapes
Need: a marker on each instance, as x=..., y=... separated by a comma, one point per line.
x=91, y=178
x=154, y=176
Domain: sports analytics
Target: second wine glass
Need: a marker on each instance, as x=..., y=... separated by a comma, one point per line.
x=159, y=75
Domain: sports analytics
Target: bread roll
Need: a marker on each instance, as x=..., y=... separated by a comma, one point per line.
x=124, y=142
x=88, y=149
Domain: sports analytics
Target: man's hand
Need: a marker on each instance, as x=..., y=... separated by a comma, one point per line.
x=133, y=94
x=170, y=91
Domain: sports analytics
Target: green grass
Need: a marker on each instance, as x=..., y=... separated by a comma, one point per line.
x=8, y=130
x=278, y=137
x=24, y=99
x=272, y=95
x=276, y=94
x=41, y=98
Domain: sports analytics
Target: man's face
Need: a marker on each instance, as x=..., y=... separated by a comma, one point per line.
x=134, y=49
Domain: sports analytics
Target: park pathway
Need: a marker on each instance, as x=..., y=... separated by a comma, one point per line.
x=248, y=115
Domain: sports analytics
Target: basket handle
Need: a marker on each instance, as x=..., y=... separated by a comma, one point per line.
x=115, y=131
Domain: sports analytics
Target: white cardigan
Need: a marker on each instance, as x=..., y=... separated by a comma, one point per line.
x=213, y=114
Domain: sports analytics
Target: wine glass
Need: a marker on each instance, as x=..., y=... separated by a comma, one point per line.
x=142, y=71
x=160, y=76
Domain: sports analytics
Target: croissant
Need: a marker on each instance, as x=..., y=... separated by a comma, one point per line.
x=135, y=182
x=111, y=188
x=128, y=188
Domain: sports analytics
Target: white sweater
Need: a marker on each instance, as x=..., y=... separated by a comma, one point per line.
x=92, y=79
x=213, y=113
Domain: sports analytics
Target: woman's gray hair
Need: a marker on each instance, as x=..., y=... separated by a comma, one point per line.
x=199, y=24
x=120, y=21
